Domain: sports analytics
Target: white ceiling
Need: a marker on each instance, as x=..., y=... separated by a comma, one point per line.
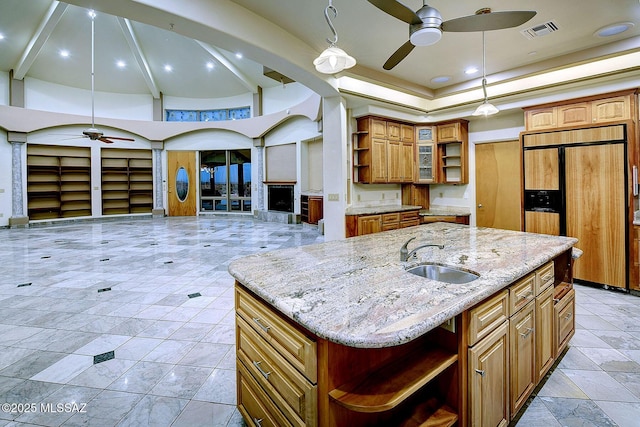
x=364, y=31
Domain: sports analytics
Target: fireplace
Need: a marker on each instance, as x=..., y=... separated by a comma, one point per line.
x=280, y=198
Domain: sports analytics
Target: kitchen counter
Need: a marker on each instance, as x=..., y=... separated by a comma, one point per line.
x=373, y=210
x=356, y=292
x=445, y=211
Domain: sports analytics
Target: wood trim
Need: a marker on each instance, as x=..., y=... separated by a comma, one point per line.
x=583, y=99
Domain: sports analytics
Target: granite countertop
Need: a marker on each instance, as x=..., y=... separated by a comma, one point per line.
x=381, y=209
x=358, y=293
x=445, y=211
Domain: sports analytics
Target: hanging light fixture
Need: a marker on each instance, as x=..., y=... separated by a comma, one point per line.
x=333, y=59
x=486, y=108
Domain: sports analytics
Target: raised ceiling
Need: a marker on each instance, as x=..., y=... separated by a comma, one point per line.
x=364, y=31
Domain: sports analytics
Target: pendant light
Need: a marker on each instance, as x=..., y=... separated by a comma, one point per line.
x=333, y=59
x=486, y=108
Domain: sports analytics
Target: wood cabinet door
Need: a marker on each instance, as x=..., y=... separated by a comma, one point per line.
x=394, y=161
x=181, y=183
x=407, y=133
x=378, y=158
x=596, y=211
x=449, y=132
x=425, y=163
x=407, y=161
x=378, y=128
x=369, y=224
x=393, y=131
x=542, y=222
x=611, y=109
x=574, y=114
x=542, y=118
x=541, y=169
x=489, y=380
x=498, y=185
x=544, y=333
x=522, y=356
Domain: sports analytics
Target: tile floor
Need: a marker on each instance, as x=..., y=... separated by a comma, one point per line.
x=157, y=294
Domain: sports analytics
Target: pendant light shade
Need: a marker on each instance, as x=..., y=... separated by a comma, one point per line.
x=486, y=108
x=333, y=59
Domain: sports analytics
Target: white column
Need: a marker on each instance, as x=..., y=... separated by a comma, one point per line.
x=335, y=174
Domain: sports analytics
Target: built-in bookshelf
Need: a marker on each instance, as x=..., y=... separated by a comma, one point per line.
x=127, y=181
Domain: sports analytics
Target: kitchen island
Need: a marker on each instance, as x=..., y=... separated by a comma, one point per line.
x=341, y=333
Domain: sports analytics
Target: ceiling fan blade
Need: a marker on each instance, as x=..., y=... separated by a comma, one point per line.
x=118, y=138
x=398, y=55
x=488, y=21
x=105, y=140
x=397, y=10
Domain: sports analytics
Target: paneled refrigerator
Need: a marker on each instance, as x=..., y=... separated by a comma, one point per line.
x=575, y=184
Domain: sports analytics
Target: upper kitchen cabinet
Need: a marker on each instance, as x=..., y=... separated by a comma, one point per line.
x=452, y=157
x=425, y=169
x=383, y=151
x=581, y=112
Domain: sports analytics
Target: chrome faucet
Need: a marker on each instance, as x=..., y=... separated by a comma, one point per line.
x=405, y=254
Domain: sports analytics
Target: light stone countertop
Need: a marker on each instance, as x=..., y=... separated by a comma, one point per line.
x=445, y=211
x=356, y=291
x=373, y=210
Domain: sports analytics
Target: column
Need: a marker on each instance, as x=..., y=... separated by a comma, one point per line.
x=158, y=199
x=257, y=196
x=335, y=175
x=18, y=217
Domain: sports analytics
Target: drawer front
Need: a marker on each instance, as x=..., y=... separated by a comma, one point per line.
x=292, y=344
x=521, y=293
x=390, y=217
x=484, y=318
x=565, y=320
x=410, y=222
x=544, y=277
x=404, y=216
x=292, y=393
x=256, y=408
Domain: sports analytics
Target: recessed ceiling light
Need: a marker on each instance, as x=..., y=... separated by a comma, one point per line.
x=168, y=68
x=238, y=55
x=92, y=14
x=440, y=79
x=210, y=65
x=613, y=29
x=1, y=36
x=64, y=53
x=471, y=70
x=121, y=64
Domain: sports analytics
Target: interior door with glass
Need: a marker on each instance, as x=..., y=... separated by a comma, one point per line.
x=181, y=166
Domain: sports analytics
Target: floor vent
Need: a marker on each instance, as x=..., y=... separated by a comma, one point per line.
x=540, y=30
x=99, y=358
x=104, y=290
x=197, y=294
x=22, y=285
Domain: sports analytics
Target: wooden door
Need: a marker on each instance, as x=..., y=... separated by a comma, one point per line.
x=596, y=211
x=181, y=183
x=394, y=159
x=489, y=380
x=522, y=356
x=498, y=187
x=544, y=333
x=369, y=224
x=378, y=164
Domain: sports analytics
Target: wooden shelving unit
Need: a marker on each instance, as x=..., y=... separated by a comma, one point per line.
x=127, y=181
x=58, y=181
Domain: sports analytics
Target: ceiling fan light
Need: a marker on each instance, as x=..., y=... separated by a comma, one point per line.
x=333, y=60
x=486, y=109
x=425, y=36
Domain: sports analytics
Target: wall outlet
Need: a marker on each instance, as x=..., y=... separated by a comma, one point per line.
x=334, y=197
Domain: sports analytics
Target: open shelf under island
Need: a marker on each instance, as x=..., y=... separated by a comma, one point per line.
x=341, y=334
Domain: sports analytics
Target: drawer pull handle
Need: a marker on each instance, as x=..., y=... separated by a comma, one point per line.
x=568, y=316
x=527, y=333
x=264, y=374
x=527, y=295
x=480, y=371
x=556, y=300
x=263, y=327
x=258, y=421
x=547, y=278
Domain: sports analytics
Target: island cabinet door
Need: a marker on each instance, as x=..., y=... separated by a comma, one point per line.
x=522, y=356
x=489, y=380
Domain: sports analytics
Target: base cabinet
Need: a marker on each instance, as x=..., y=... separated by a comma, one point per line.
x=522, y=356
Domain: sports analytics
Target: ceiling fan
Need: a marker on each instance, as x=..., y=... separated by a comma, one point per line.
x=426, y=25
x=92, y=133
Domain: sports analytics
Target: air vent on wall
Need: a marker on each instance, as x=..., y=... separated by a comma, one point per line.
x=540, y=30
x=276, y=75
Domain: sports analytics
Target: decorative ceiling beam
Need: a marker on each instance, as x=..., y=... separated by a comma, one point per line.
x=130, y=36
x=218, y=56
x=46, y=27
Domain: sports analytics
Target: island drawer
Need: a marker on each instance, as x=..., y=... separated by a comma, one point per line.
x=487, y=316
x=544, y=277
x=565, y=321
x=521, y=293
x=290, y=391
x=390, y=217
x=256, y=408
x=294, y=345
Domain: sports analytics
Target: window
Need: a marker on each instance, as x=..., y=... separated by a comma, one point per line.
x=207, y=115
x=225, y=180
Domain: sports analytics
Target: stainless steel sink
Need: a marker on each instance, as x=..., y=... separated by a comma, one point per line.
x=442, y=273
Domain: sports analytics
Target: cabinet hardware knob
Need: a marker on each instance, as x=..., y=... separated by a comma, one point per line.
x=258, y=421
x=264, y=374
x=263, y=327
x=479, y=205
x=568, y=316
x=526, y=333
x=480, y=371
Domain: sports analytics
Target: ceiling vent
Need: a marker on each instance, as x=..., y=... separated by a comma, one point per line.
x=540, y=30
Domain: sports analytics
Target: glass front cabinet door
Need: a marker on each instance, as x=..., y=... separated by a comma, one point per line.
x=425, y=155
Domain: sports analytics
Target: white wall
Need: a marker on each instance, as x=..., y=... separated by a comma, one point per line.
x=41, y=95
x=280, y=98
x=4, y=88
